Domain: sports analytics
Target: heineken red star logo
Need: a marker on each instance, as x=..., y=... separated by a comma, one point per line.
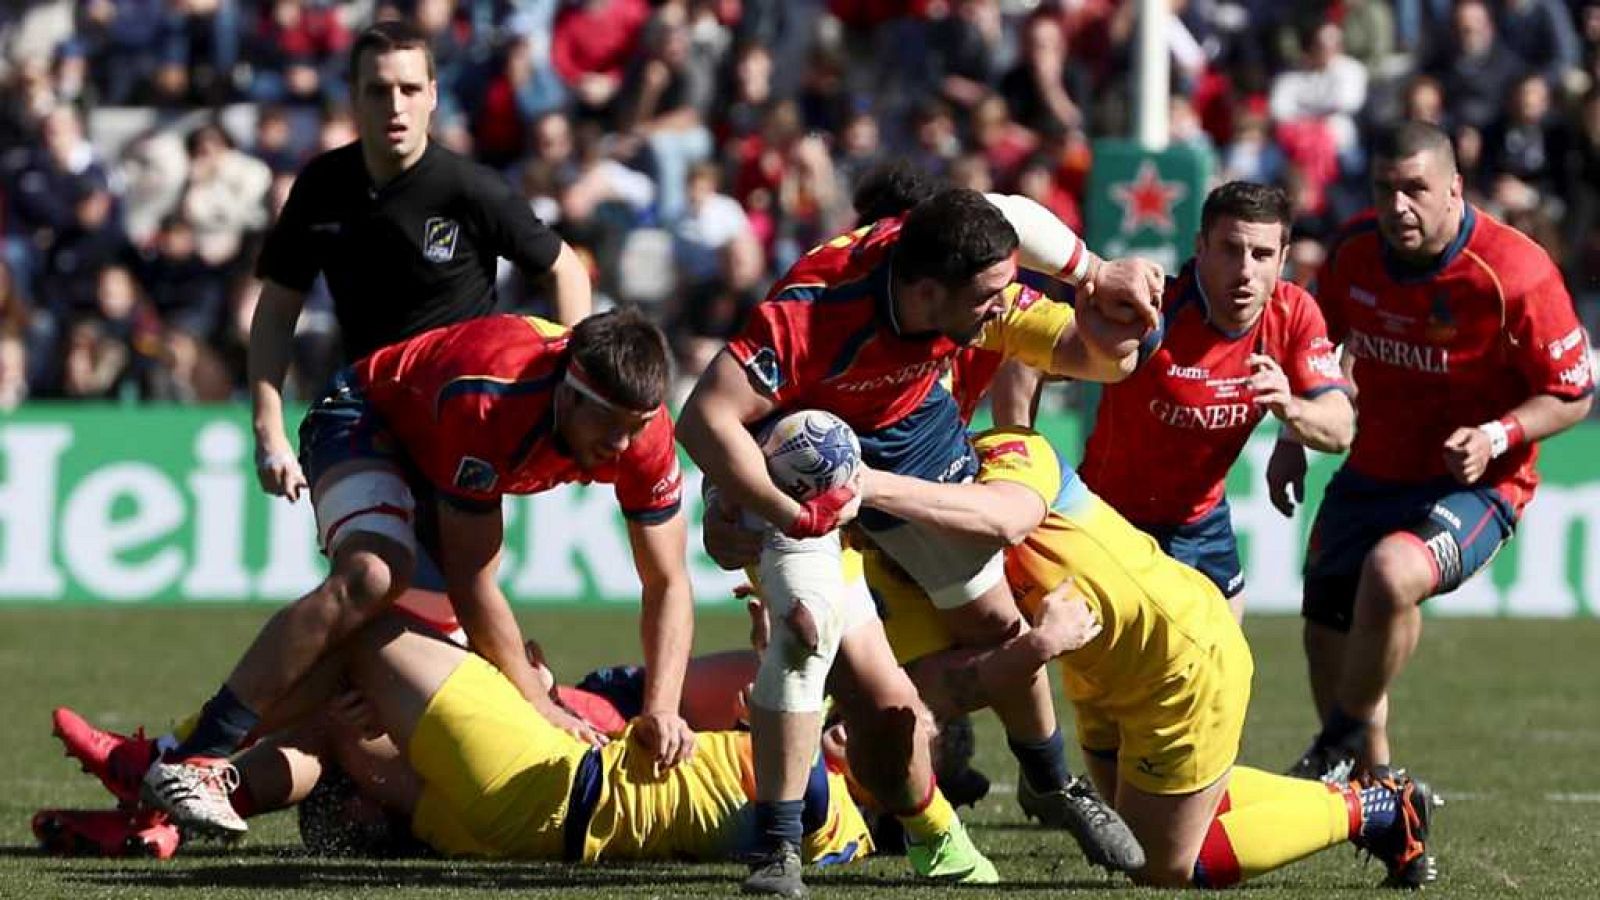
x=1147, y=201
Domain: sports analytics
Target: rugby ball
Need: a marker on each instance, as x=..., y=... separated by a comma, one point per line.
x=809, y=452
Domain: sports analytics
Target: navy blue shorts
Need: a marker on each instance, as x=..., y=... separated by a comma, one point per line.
x=1460, y=529
x=622, y=685
x=1207, y=544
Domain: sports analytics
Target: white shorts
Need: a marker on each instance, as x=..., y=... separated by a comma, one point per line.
x=953, y=571
x=369, y=501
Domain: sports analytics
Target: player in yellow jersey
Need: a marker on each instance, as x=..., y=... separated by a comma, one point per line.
x=474, y=770
x=1156, y=667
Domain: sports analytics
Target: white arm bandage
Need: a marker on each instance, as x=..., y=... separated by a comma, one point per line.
x=1047, y=244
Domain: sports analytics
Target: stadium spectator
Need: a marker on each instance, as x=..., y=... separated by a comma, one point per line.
x=591, y=44
x=1541, y=34
x=1475, y=68
x=654, y=108
x=189, y=291
x=1329, y=88
x=1039, y=89
x=226, y=196
x=296, y=49
x=1529, y=143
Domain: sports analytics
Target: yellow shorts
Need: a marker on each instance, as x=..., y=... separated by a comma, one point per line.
x=496, y=775
x=1182, y=735
x=910, y=620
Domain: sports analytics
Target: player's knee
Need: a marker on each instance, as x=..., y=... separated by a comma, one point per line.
x=364, y=580
x=1396, y=575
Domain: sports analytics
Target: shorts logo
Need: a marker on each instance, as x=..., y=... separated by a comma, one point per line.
x=476, y=475
x=763, y=367
x=439, y=239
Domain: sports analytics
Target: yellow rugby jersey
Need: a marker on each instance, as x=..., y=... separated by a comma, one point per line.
x=703, y=809
x=1158, y=614
x=1028, y=328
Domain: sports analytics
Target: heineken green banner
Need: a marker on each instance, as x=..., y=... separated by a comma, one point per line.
x=1146, y=202
x=160, y=505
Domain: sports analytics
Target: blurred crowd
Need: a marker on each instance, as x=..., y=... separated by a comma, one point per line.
x=691, y=149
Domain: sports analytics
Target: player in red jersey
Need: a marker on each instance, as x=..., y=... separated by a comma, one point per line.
x=1466, y=353
x=409, y=455
x=1237, y=343
x=864, y=327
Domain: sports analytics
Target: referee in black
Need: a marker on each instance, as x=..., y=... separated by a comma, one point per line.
x=407, y=234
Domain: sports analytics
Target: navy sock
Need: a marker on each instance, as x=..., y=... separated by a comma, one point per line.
x=1343, y=730
x=223, y=724
x=1044, y=763
x=778, y=823
x=1379, y=806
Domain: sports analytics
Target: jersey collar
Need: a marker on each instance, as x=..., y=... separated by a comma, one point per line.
x=1405, y=272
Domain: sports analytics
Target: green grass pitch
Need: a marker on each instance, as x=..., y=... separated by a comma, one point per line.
x=1500, y=715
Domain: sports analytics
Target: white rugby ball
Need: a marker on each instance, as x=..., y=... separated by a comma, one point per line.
x=809, y=452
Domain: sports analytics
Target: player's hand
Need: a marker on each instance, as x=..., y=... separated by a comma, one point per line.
x=1128, y=290
x=1269, y=387
x=352, y=710
x=574, y=726
x=1467, y=452
x=1286, y=476
x=727, y=541
x=666, y=737
x=760, y=625
x=828, y=511
x=278, y=469
x=1064, y=618
x=1110, y=337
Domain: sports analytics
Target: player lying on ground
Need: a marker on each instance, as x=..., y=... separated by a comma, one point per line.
x=476, y=771
x=282, y=770
x=1158, y=671
x=410, y=454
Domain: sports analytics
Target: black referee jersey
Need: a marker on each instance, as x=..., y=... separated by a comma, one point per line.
x=415, y=254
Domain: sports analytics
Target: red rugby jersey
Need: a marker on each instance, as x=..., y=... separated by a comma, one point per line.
x=1164, y=439
x=826, y=336
x=471, y=406
x=1465, y=341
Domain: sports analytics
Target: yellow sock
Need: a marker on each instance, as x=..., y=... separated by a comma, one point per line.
x=1284, y=820
x=183, y=729
x=1247, y=787
x=934, y=819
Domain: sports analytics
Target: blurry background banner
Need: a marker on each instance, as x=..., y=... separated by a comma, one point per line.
x=1147, y=202
x=159, y=505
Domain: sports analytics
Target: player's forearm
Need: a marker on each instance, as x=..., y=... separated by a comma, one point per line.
x=666, y=630
x=267, y=361
x=1546, y=415
x=724, y=450
x=493, y=632
x=1045, y=243
x=1326, y=423
x=1096, y=349
x=573, y=294
x=1014, y=395
x=986, y=513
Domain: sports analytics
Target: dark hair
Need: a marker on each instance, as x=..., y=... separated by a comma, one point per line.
x=951, y=237
x=1247, y=201
x=386, y=37
x=626, y=357
x=890, y=189
x=1410, y=137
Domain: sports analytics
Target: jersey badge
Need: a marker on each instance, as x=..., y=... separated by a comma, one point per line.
x=476, y=475
x=763, y=367
x=439, y=239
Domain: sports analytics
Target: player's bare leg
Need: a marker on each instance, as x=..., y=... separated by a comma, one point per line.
x=890, y=753
x=1236, y=606
x=1324, y=648
x=1171, y=828
x=1395, y=579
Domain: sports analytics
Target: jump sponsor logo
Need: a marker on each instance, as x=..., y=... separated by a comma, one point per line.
x=1188, y=373
x=1212, y=417
x=1398, y=353
x=439, y=239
